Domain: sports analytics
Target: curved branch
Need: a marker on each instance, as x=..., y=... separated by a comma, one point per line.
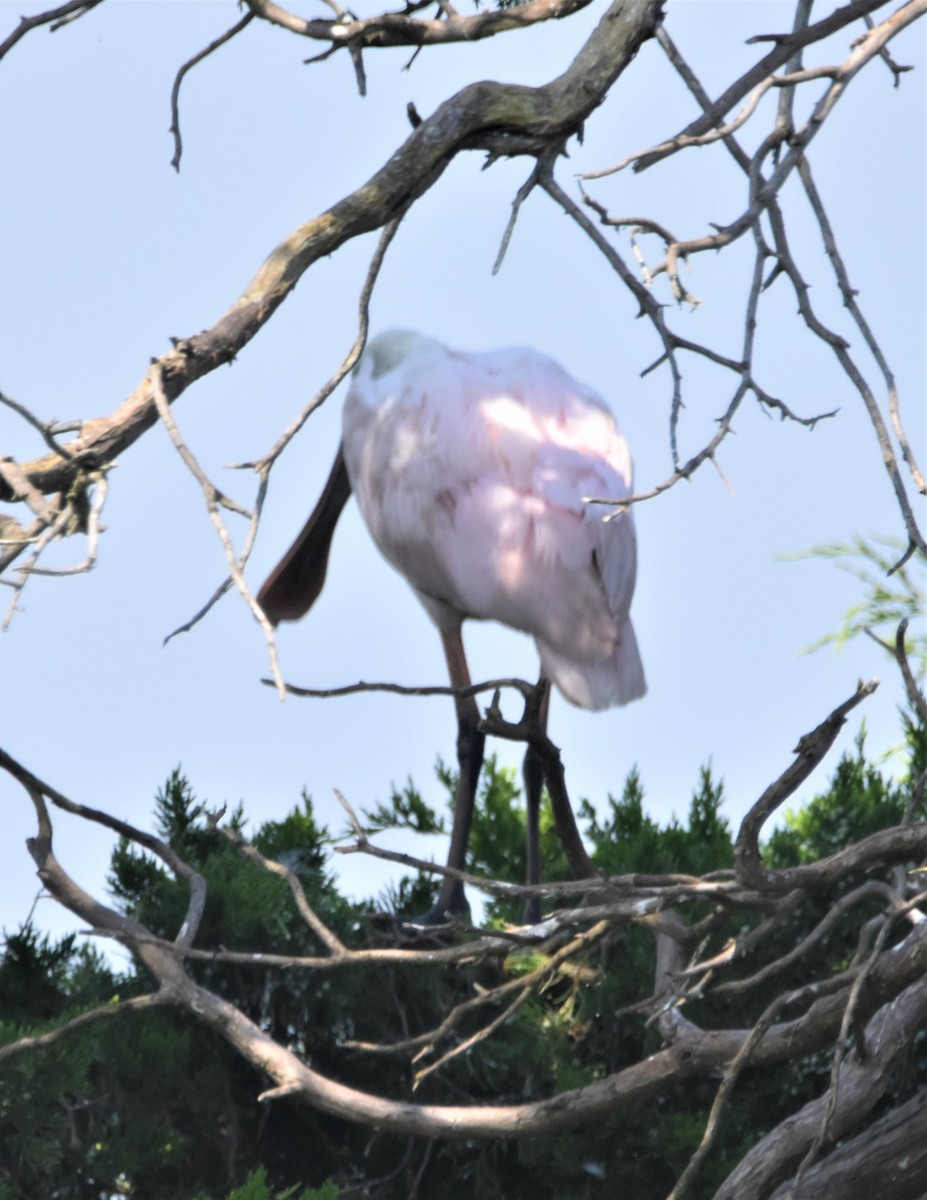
x=327, y=936
x=694, y=1054
x=862, y=1081
x=92, y=1017
x=889, y=1159
x=402, y=689
x=56, y=17
x=785, y=47
x=220, y=41
x=871, y=889
x=810, y=750
x=183, y=871
x=505, y=119
x=401, y=29
x=697, y=1055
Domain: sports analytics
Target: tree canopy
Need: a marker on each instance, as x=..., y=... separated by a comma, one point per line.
x=151, y=1107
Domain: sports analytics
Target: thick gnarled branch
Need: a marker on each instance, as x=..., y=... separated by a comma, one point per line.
x=499, y=117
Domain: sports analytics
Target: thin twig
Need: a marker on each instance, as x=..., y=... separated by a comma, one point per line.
x=174, y=127
x=76, y=514
x=37, y=789
x=62, y=15
x=43, y=428
x=399, y=689
x=214, y=499
x=117, y=1008
x=849, y=294
x=306, y=911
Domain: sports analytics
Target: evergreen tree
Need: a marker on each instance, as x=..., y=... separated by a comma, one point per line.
x=149, y=1106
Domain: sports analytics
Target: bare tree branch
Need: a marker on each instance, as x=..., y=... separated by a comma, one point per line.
x=883, y=995
x=506, y=118
x=402, y=29
x=76, y=514
x=118, y=1008
x=785, y=47
x=38, y=790
x=811, y=749
x=55, y=17
x=861, y=1081
x=306, y=911
x=187, y=66
x=862, y=1013
x=763, y=193
x=889, y=1158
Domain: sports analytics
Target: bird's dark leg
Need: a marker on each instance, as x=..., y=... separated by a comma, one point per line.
x=533, y=776
x=470, y=743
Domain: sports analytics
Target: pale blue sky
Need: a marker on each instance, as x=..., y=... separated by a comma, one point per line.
x=106, y=253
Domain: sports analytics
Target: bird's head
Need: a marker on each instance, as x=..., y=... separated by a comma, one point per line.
x=386, y=351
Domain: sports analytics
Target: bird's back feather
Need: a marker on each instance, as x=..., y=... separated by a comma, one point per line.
x=471, y=471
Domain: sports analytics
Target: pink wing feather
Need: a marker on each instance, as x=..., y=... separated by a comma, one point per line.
x=471, y=472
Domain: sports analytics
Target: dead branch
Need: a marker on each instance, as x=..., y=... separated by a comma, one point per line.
x=868, y=1012
x=54, y=17
x=523, y=986
x=841, y=351
x=74, y=513
x=306, y=911
x=876, y=995
x=889, y=1158
x=488, y=945
x=264, y=465
x=483, y=116
x=872, y=889
x=21, y=489
x=47, y=430
x=39, y=791
x=850, y=1025
x=690, y=1057
x=810, y=750
x=914, y=691
x=401, y=689
x=402, y=29
x=785, y=47
x=762, y=198
x=174, y=128
x=214, y=501
x=861, y=1082
x=118, y=1008
x=849, y=294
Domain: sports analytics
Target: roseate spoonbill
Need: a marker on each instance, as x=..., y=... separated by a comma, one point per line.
x=471, y=472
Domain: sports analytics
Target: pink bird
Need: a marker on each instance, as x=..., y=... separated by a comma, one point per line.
x=471, y=472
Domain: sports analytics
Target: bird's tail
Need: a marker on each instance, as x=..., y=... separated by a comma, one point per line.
x=618, y=679
x=294, y=585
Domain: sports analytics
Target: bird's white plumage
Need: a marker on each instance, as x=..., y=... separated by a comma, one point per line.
x=470, y=471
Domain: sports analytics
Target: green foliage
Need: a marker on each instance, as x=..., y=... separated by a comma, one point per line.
x=406, y=810
x=150, y=1105
x=34, y=975
x=408, y=898
x=256, y=1187
x=628, y=841
x=891, y=593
